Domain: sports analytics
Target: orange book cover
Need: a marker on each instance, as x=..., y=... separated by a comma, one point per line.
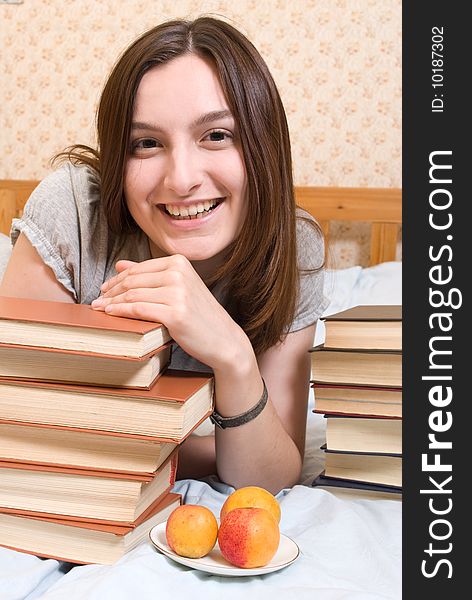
x=35, y=319
x=172, y=386
x=172, y=461
x=67, y=313
x=161, y=503
x=119, y=358
x=137, y=436
x=78, y=531
x=70, y=519
x=159, y=413
x=67, y=469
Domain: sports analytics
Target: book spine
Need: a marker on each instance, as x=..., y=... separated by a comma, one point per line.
x=174, y=460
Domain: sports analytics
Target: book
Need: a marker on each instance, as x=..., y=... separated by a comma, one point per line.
x=357, y=434
x=380, y=469
x=69, y=326
x=51, y=364
x=364, y=490
x=357, y=400
x=67, y=493
x=357, y=367
x=168, y=411
x=80, y=541
x=100, y=451
x=370, y=327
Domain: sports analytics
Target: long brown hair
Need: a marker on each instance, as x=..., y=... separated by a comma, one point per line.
x=261, y=265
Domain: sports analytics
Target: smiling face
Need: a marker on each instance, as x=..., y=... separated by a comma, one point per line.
x=185, y=180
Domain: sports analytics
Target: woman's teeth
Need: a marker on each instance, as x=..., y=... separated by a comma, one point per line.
x=194, y=211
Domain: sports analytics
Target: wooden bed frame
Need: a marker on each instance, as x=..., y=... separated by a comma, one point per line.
x=382, y=207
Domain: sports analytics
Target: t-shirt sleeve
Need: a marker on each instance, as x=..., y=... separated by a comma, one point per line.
x=312, y=301
x=50, y=222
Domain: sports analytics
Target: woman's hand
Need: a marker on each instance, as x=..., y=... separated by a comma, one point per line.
x=266, y=451
x=168, y=290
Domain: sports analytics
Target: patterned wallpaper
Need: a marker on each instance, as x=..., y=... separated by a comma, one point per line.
x=337, y=64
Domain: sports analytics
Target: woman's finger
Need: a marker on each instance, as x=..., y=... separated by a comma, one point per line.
x=121, y=265
x=156, y=295
x=147, y=311
x=128, y=267
x=141, y=280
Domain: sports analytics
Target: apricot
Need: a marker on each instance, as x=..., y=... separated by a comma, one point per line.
x=248, y=537
x=251, y=496
x=191, y=530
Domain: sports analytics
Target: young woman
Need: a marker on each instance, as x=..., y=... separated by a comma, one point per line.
x=185, y=214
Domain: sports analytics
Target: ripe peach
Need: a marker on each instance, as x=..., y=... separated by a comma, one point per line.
x=251, y=496
x=191, y=530
x=248, y=537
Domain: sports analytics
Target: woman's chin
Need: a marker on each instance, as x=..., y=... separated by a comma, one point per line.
x=211, y=255
x=193, y=255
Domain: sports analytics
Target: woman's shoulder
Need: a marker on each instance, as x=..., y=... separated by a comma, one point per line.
x=310, y=256
x=71, y=193
x=310, y=241
x=78, y=182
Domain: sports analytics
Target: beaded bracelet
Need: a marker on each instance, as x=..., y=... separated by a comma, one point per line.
x=245, y=417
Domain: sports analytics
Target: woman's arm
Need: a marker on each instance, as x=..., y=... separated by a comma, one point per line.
x=27, y=276
x=267, y=455
x=266, y=451
x=286, y=371
x=270, y=448
x=197, y=457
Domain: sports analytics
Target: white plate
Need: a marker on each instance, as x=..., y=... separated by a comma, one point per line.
x=215, y=563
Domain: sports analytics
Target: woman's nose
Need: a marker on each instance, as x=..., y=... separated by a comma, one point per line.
x=183, y=171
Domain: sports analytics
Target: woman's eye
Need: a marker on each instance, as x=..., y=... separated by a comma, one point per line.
x=144, y=144
x=219, y=136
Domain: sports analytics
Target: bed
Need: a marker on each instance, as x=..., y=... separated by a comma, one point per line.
x=350, y=543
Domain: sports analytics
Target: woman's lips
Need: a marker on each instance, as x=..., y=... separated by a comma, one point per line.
x=192, y=217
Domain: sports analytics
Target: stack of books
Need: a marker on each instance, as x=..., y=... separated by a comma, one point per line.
x=91, y=420
x=357, y=382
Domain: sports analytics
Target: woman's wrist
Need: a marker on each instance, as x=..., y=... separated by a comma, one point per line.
x=238, y=387
x=236, y=359
x=243, y=418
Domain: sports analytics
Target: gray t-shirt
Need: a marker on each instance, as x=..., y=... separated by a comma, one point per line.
x=64, y=221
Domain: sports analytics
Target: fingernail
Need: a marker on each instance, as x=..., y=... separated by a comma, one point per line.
x=97, y=302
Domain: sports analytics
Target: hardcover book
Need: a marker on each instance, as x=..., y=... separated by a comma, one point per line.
x=357, y=367
x=369, y=327
x=357, y=434
x=381, y=469
x=371, y=490
x=67, y=493
x=51, y=364
x=357, y=400
x=99, y=451
x=80, y=541
x=69, y=326
x=168, y=411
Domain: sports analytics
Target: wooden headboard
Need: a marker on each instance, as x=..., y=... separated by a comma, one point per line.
x=382, y=207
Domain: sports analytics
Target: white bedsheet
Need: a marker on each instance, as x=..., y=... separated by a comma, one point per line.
x=350, y=546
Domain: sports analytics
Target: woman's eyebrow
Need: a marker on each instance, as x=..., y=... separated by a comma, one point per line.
x=210, y=117
x=215, y=115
